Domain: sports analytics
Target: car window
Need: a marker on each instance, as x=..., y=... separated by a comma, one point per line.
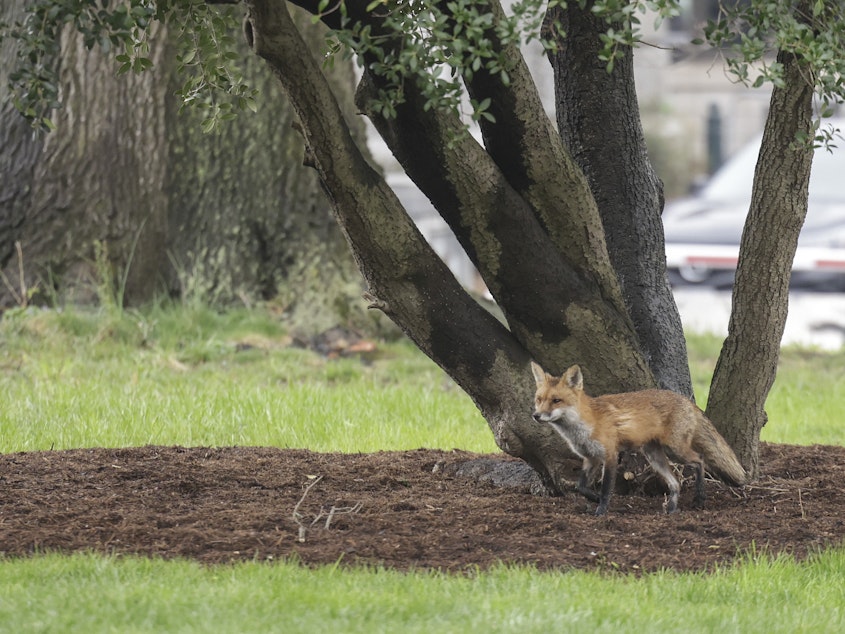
x=826, y=178
x=732, y=182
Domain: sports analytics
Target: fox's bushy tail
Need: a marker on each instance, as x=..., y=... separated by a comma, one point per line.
x=718, y=456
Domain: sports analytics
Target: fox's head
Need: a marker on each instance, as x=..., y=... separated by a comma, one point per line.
x=557, y=397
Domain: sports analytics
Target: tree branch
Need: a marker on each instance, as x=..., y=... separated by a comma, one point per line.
x=598, y=119
x=400, y=267
x=527, y=148
x=748, y=361
x=572, y=304
x=552, y=308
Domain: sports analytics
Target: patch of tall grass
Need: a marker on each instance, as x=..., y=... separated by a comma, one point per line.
x=197, y=377
x=806, y=400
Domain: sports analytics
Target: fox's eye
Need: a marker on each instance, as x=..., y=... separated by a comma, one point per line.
x=555, y=401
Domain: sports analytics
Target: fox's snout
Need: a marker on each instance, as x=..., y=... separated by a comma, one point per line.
x=543, y=417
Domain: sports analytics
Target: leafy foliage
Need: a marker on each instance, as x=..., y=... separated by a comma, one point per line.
x=435, y=44
x=207, y=61
x=125, y=27
x=814, y=30
x=439, y=43
x=623, y=19
x=442, y=44
x=35, y=81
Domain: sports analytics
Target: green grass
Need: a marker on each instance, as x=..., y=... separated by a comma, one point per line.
x=806, y=402
x=86, y=593
x=195, y=377
x=192, y=376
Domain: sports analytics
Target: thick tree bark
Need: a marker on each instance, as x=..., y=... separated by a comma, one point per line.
x=747, y=364
x=524, y=144
x=247, y=219
x=63, y=183
x=598, y=118
x=557, y=311
x=524, y=214
x=224, y=216
x=18, y=159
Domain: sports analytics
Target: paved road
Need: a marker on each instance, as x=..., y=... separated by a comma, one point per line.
x=816, y=319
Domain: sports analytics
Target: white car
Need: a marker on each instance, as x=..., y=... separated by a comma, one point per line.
x=704, y=230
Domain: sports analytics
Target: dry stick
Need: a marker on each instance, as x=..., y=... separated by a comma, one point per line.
x=333, y=511
x=24, y=293
x=339, y=510
x=296, y=515
x=11, y=288
x=21, y=299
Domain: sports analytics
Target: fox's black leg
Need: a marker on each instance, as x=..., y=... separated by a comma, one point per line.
x=700, y=496
x=584, y=486
x=608, y=480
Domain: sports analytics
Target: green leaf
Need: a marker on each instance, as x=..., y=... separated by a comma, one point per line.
x=208, y=125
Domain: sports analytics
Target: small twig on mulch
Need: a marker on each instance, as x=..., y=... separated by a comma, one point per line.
x=757, y=487
x=329, y=515
x=297, y=517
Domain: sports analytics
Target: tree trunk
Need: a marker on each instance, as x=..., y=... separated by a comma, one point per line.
x=554, y=303
x=223, y=216
x=60, y=202
x=248, y=219
x=524, y=214
x=18, y=159
x=598, y=119
x=748, y=362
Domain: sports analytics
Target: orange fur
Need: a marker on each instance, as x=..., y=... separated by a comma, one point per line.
x=650, y=421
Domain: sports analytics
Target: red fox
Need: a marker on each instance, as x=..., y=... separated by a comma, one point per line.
x=651, y=421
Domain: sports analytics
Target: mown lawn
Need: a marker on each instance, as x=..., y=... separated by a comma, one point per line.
x=192, y=376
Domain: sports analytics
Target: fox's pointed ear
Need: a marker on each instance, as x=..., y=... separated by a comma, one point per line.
x=539, y=374
x=573, y=378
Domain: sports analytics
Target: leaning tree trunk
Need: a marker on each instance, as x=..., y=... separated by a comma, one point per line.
x=231, y=215
x=524, y=214
x=748, y=362
x=247, y=218
x=520, y=207
x=598, y=118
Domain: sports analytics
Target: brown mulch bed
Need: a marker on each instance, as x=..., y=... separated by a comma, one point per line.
x=404, y=510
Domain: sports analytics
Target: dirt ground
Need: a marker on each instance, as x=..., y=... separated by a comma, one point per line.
x=405, y=510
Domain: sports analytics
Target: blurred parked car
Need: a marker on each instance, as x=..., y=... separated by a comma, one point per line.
x=704, y=230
